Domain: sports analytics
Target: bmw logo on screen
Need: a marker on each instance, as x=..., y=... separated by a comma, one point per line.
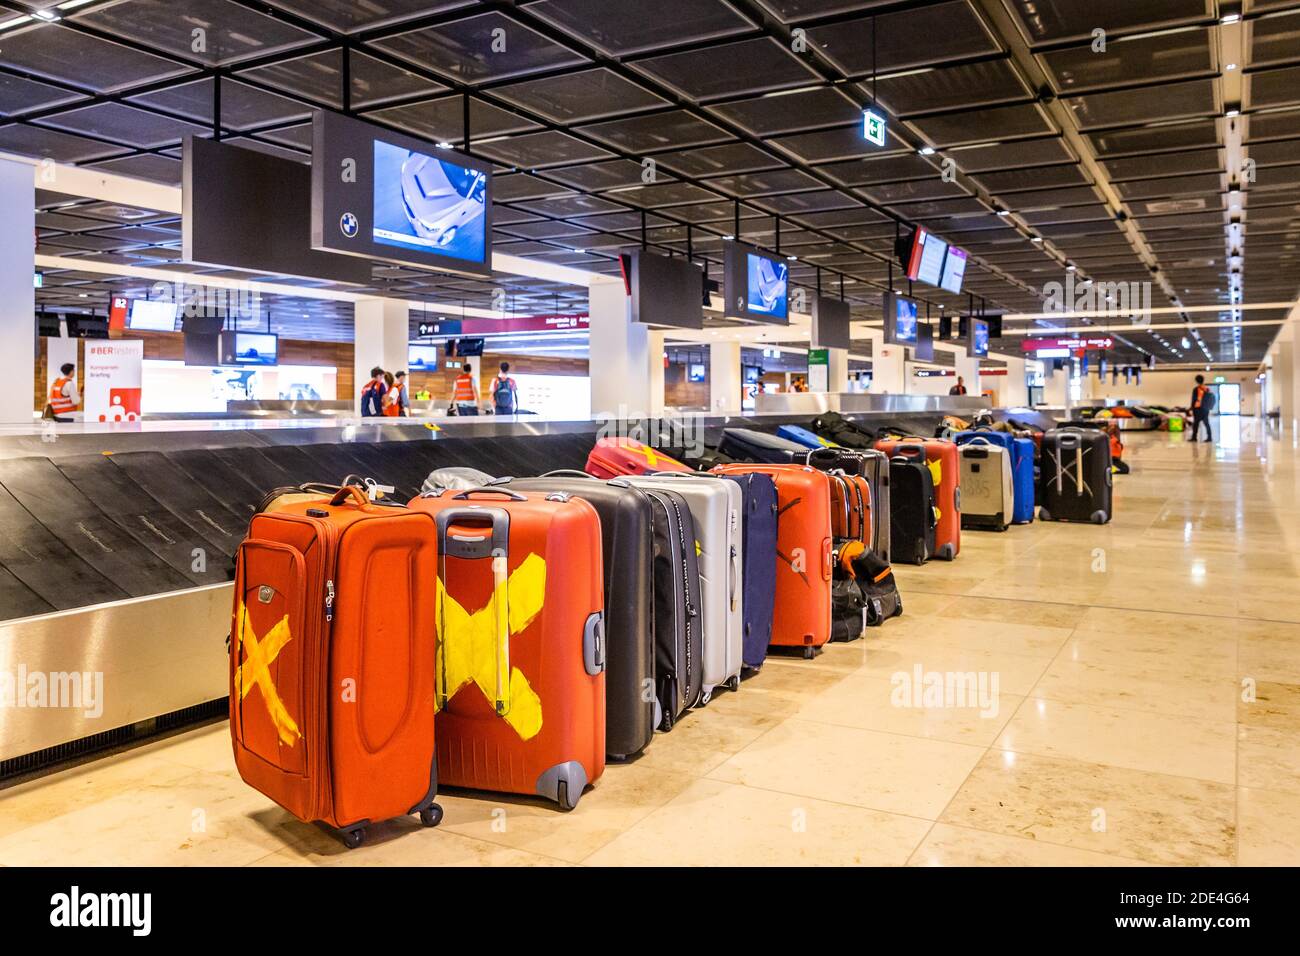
x=349, y=225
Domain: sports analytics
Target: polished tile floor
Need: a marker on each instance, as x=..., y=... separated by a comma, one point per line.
x=1140, y=705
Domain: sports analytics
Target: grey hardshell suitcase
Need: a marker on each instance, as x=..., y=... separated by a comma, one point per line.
x=717, y=506
x=988, y=495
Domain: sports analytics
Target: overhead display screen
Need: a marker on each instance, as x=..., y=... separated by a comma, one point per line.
x=429, y=204
x=249, y=348
x=925, y=343
x=932, y=256
x=422, y=358
x=149, y=316
x=756, y=285
x=830, y=323
x=978, y=343
x=665, y=290
x=900, y=319
x=382, y=195
x=954, y=270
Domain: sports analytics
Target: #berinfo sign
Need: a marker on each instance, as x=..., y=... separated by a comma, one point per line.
x=113, y=380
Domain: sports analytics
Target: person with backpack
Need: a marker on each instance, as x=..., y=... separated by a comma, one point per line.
x=505, y=393
x=372, y=395
x=1202, y=405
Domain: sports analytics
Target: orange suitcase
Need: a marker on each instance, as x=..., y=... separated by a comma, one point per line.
x=947, y=487
x=332, y=658
x=520, y=668
x=850, y=508
x=802, y=616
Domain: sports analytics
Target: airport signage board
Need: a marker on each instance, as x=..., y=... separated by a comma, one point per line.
x=114, y=379
x=1073, y=343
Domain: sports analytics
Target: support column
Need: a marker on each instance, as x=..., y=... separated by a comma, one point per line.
x=1056, y=385
x=620, y=355
x=1285, y=371
x=968, y=369
x=17, y=294
x=888, y=374
x=839, y=370
x=724, y=378
x=655, y=354
x=1015, y=391
x=382, y=331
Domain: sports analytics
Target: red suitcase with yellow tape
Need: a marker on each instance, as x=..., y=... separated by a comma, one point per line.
x=332, y=661
x=617, y=457
x=520, y=670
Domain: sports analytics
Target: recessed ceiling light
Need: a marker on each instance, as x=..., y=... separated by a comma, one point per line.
x=1231, y=66
x=1232, y=113
x=1004, y=212
x=49, y=16
x=926, y=151
x=1036, y=239
x=1230, y=18
x=444, y=145
x=728, y=237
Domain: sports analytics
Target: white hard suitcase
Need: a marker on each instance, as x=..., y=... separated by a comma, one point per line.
x=717, y=505
x=988, y=494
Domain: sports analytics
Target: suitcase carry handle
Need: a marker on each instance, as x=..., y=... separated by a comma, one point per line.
x=471, y=492
x=495, y=547
x=568, y=473
x=349, y=491
x=909, y=450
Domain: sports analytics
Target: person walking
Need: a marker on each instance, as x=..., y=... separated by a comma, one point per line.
x=1202, y=405
x=505, y=393
x=959, y=388
x=372, y=395
x=397, y=403
x=464, y=393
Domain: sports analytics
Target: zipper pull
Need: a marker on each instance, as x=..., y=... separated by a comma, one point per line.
x=329, y=601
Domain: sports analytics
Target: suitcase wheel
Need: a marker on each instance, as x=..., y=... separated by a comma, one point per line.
x=354, y=838
x=564, y=784
x=1099, y=517
x=431, y=815
x=1044, y=514
x=734, y=683
x=706, y=695
x=809, y=653
x=563, y=798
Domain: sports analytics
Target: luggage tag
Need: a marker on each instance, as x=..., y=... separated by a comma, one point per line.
x=375, y=491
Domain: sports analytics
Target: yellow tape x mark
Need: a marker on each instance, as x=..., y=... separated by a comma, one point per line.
x=255, y=671
x=471, y=652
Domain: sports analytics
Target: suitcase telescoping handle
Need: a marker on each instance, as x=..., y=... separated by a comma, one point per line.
x=910, y=450
x=466, y=545
x=471, y=492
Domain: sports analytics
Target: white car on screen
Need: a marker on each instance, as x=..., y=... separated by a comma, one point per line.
x=441, y=199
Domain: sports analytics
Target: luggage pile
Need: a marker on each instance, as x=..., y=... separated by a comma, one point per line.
x=512, y=634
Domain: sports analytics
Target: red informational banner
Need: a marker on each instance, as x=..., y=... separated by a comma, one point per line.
x=1072, y=342
x=117, y=312
x=524, y=323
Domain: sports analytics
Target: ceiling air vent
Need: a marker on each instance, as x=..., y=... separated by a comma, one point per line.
x=1175, y=205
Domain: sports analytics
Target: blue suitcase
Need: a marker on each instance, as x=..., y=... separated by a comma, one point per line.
x=802, y=436
x=1021, y=451
x=758, y=565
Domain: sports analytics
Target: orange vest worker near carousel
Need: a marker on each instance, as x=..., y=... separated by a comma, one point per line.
x=64, y=398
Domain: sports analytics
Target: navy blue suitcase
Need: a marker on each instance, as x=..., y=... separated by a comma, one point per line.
x=758, y=568
x=746, y=444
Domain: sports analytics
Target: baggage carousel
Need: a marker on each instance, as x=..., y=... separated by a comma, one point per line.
x=117, y=550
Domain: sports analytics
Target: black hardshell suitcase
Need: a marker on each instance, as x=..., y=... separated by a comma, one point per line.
x=628, y=542
x=746, y=444
x=874, y=466
x=1076, y=476
x=679, y=643
x=912, y=518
